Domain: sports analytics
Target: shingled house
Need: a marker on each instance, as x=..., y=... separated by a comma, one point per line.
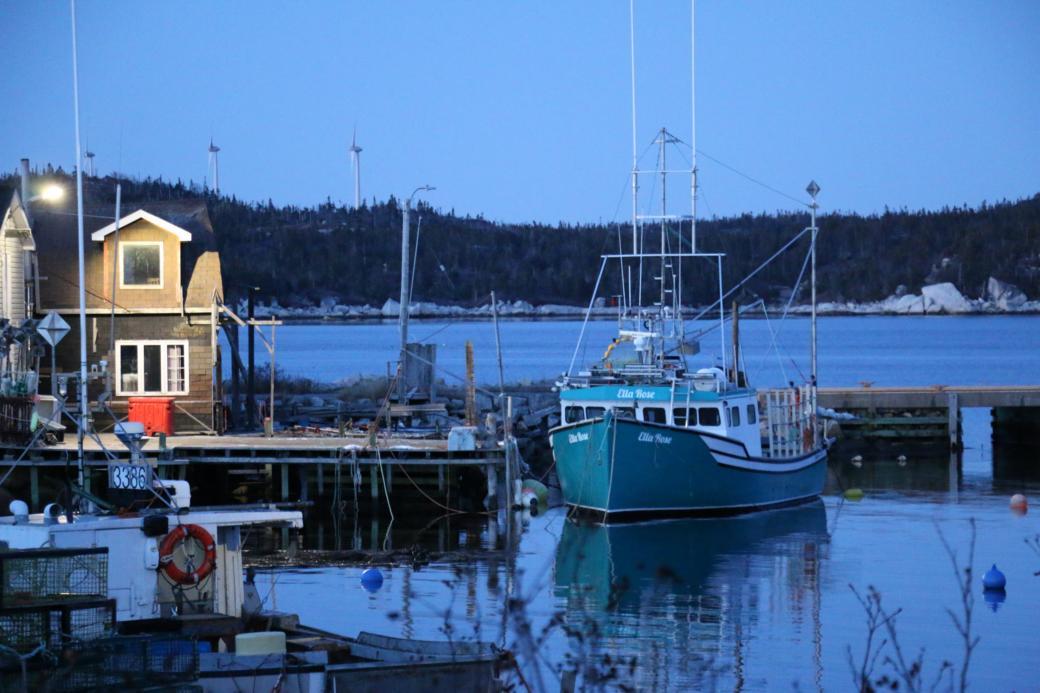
x=159, y=269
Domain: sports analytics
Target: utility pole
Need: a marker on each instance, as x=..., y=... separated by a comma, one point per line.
x=251, y=372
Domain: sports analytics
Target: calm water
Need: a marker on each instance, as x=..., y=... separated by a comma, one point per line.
x=883, y=350
x=757, y=602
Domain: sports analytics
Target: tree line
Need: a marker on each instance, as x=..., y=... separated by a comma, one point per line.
x=303, y=255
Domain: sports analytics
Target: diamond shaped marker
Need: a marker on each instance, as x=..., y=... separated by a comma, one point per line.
x=52, y=328
x=813, y=189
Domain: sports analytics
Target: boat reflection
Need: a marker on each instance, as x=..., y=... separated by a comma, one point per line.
x=692, y=589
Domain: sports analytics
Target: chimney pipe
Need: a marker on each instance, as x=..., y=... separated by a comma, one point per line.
x=25, y=182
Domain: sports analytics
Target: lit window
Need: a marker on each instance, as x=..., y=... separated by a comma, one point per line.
x=141, y=264
x=152, y=368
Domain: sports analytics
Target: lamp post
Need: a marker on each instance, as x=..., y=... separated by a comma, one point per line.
x=83, y=404
x=405, y=292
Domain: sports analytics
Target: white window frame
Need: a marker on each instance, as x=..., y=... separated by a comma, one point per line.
x=164, y=365
x=162, y=265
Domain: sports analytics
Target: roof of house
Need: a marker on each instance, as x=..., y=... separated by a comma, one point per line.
x=54, y=229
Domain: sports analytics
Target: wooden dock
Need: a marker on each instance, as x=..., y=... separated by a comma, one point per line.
x=283, y=468
x=930, y=413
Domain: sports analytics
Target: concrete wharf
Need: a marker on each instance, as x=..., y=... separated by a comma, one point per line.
x=932, y=413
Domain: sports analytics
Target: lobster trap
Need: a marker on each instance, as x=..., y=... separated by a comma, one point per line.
x=34, y=577
x=51, y=597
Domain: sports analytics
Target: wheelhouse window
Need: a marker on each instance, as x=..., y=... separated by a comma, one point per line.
x=752, y=414
x=625, y=412
x=654, y=415
x=709, y=416
x=733, y=419
x=574, y=414
x=140, y=264
x=594, y=412
x=152, y=368
x=679, y=415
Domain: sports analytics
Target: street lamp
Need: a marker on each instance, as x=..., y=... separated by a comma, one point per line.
x=51, y=193
x=405, y=291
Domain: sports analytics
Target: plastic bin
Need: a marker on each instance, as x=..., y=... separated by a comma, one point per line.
x=156, y=413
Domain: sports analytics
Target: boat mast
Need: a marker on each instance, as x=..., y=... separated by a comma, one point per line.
x=813, y=189
x=635, y=151
x=693, y=128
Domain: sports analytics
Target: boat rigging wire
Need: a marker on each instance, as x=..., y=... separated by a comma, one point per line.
x=748, y=278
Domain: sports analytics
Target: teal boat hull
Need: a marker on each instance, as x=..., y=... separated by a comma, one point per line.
x=621, y=467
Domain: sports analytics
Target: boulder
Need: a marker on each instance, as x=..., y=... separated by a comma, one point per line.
x=946, y=298
x=1003, y=295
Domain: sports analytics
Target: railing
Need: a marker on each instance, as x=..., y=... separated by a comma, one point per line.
x=791, y=421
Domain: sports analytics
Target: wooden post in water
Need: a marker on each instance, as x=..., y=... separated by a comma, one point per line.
x=736, y=343
x=507, y=434
x=954, y=420
x=471, y=387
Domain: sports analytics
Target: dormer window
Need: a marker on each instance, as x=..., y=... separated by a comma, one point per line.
x=140, y=264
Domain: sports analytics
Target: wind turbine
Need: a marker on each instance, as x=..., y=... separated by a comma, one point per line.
x=89, y=156
x=355, y=159
x=214, y=168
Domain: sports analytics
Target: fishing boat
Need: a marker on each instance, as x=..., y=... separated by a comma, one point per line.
x=644, y=430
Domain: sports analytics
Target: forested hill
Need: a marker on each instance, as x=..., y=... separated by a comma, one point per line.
x=303, y=255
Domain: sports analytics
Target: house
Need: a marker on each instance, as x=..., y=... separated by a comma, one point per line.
x=17, y=294
x=153, y=284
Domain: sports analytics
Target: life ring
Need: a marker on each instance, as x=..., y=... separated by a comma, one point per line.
x=175, y=538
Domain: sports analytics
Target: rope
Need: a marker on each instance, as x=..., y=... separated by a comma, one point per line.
x=442, y=506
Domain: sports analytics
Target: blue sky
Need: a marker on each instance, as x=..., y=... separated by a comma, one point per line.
x=520, y=110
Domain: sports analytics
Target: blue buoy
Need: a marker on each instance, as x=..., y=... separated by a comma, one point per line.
x=994, y=598
x=372, y=579
x=994, y=579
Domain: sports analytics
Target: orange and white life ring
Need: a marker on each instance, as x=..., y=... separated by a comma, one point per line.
x=179, y=535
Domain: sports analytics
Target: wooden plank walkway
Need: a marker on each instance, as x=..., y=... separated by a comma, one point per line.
x=256, y=449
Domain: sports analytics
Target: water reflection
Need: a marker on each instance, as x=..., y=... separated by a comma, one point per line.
x=683, y=597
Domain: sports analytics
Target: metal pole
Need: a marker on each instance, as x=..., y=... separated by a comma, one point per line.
x=812, y=367
x=270, y=408
x=251, y=372
x=498, y=346
x=693, y=128
x=83, y=406
x=635, y=156
x=403, y=320
x=722, y=317
x=405, y=294
x=115, y=274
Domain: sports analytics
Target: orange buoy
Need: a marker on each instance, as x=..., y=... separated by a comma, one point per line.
x=1018, y=504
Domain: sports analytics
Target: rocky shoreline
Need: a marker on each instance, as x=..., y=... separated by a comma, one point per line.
x=999, y=298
